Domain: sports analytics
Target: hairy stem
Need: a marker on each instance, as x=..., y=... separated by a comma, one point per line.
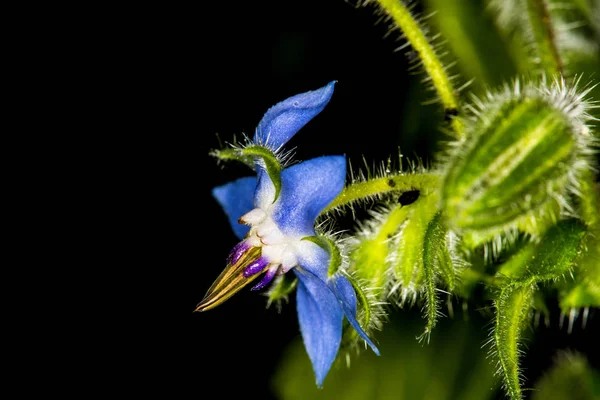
x=431, y=62
x=544, y=37
x=378, y=186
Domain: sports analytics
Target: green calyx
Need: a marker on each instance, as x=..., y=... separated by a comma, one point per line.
x=281, y=288
x=250, y=155
x=271, y=164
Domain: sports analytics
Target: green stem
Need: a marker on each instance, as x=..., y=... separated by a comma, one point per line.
x=544, y=37
x=431, y=62
x=379, y=186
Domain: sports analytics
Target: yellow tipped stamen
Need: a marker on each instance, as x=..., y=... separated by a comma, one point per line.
x=230, y=281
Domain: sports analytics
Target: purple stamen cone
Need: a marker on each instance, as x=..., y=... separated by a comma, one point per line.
x=237, y=252
x=266, y=279
x=256, y=267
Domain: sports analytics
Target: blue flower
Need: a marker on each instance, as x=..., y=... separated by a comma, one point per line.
x=272, y=219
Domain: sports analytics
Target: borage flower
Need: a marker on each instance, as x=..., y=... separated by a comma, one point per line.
x=275, y=213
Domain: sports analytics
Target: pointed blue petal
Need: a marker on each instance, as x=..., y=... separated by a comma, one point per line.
x=347, y=297
x=320, y=318
x=287, y=117
x=315, y=260
x=236, y=198
x=306, y=189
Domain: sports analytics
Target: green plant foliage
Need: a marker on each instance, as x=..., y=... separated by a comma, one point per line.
x=512, y=203
x=571, y=377
x=447, y=369
x=505, y=217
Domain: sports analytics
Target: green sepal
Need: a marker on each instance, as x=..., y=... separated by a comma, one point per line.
x=272, y=164
x=409, y=265
x=281, y=288
x=433, y=241
x=330, y=247
x=438, y=240
x=370, y=256
x=233, y=154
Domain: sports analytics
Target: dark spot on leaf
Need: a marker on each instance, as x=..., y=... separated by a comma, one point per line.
x=391, y=183
x=409, y=197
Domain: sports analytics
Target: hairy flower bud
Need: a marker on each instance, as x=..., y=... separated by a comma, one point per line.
x=524, y=151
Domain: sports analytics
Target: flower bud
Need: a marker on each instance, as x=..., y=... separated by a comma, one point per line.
x=523, y=153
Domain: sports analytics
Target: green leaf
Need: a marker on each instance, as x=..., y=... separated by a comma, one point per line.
x=513, y=308
x=571, y=377
x=549, y=259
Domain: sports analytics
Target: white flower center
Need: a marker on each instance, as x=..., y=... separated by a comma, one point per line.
x=277, y=248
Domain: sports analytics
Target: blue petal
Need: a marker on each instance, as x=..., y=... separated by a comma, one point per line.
x=306, y=189
x=236, y=198
x=345, y=294
x=265, y=189
x=287, y=117
x=315, y=260
x=320, y=318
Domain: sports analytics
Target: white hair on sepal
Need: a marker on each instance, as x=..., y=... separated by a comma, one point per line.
x=234, y=150
x=397, y=293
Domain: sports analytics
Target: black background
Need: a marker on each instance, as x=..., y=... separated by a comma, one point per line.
x=215, y=69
